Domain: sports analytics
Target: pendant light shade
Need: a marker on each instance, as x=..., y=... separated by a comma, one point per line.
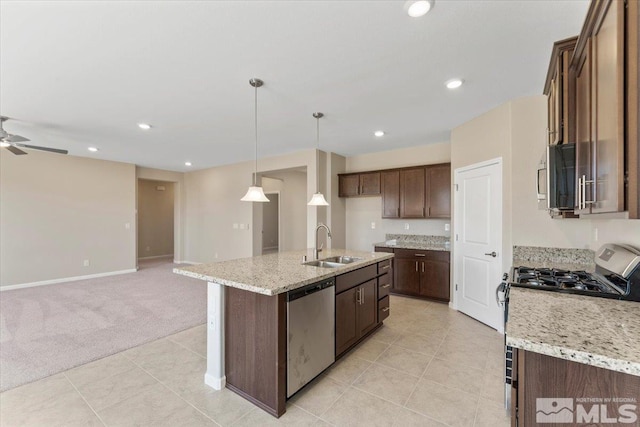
x=318, y=198
x=255, y=193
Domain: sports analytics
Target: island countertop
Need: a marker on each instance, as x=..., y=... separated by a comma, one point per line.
x=595, y=331
x=279, y=272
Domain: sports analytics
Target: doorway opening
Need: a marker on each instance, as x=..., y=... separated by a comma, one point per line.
x=156, y=200
x=271, y=224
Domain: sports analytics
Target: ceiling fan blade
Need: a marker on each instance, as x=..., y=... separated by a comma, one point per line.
x=16, y=150
x=16, y=138
x=52, y=150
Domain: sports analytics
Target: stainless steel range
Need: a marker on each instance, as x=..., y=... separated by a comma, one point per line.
x=617, y=276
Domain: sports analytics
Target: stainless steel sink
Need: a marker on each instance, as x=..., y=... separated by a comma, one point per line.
x=323, y=264
x=342, y=259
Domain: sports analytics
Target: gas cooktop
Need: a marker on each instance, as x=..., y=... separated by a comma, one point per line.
x=552, y=279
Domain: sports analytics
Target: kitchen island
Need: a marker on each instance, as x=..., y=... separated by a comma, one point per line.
x=247, y=309
x=574, y=347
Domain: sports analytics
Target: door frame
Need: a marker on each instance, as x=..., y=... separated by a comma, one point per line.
x=278, y=192
x=457, y=255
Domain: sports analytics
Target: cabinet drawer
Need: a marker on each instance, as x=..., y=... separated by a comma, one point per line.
x=384, y=285
x=356, y=277
x=422, y=254
x=383, y=309
x=384, y=266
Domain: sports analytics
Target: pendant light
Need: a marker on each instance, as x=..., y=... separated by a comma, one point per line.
x=318, y=198
x=255, y=193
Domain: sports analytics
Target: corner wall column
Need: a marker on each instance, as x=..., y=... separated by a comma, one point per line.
x=215, y=375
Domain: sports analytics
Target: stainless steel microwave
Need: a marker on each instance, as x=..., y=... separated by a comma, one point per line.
x=557, y=178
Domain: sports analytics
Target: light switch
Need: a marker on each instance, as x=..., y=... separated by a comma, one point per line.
x=447, y=227
x=127, y=225
x=235, y=225
x=373, y=225
x=242, y=226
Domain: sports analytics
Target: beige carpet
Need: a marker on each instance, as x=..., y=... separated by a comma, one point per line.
x=48, y=329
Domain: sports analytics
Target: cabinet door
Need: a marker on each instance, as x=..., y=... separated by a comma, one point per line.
x=390, y=194
x=407, y=276
x=434, y=281
x=368, y=307
x=584, y=138
x=370, y=184
x=412, y=193
x=346, y=323
x=608, y=51
x=348, y=185
x=439, y=191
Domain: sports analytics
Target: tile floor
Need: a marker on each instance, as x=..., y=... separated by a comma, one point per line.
x=427, y=366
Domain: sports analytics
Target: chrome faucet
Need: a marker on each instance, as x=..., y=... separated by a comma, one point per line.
x=316, y=249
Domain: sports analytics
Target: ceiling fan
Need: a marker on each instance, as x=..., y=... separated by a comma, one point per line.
x=13, y=143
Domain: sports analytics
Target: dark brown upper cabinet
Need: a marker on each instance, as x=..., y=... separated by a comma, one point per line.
x=412, y=193
x=390, y=194
x=604, y=69
x=559, y=88
x=359, y=184
x=438, y=183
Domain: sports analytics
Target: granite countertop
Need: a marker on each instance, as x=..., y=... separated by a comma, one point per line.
x=595, y=331
x=573, y=266
x=424, y=246
x=277, y=273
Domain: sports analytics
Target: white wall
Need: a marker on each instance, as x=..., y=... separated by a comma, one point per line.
x=362, y=211
x=57, y=211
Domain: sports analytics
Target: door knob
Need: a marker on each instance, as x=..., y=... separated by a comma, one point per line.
x=493, y=254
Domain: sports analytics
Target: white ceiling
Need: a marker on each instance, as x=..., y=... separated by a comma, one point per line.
x=76, y=74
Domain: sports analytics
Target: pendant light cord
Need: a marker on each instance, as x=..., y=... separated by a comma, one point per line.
x=255, y=175
x=317, y=154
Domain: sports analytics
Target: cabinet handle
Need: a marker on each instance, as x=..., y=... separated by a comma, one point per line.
x=386, y=266
x=386, y=286
x=429, y=211
x=361, y=295
x=423, y=212
x=385, y=309
x=423, y=267
x=420, y=254
x=398, y=212
x=416, y=265
x=358, y=297
x=579, y=193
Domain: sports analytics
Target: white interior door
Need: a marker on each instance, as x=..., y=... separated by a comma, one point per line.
x=478, y=241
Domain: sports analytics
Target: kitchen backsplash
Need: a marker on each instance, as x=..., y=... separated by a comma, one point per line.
x=428, y=240
x=560, y=255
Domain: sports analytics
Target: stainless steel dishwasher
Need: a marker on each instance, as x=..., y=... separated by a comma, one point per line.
x=311, y=333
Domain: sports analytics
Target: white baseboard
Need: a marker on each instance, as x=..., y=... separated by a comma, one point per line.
x=156, y=256
x=66, y=279
x=215, y=383
x=175, y=261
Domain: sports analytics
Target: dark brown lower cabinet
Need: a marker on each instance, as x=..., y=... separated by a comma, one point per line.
x=421, y=273
x=595, y=395
x=356, y=314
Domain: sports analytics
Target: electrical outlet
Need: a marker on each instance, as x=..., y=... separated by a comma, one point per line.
x=242, y=226
x=127, y=225
x=215, y=255
x=406, y=225
x=86, y=263
x=595, y=234
x=447, y=227
x=373, y=225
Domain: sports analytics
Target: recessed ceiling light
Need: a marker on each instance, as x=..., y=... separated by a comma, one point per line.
x=454, y=83
x=379, y=133
x=144, y=126
x=187, y=163
x=416, y=9
x=92, y=149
